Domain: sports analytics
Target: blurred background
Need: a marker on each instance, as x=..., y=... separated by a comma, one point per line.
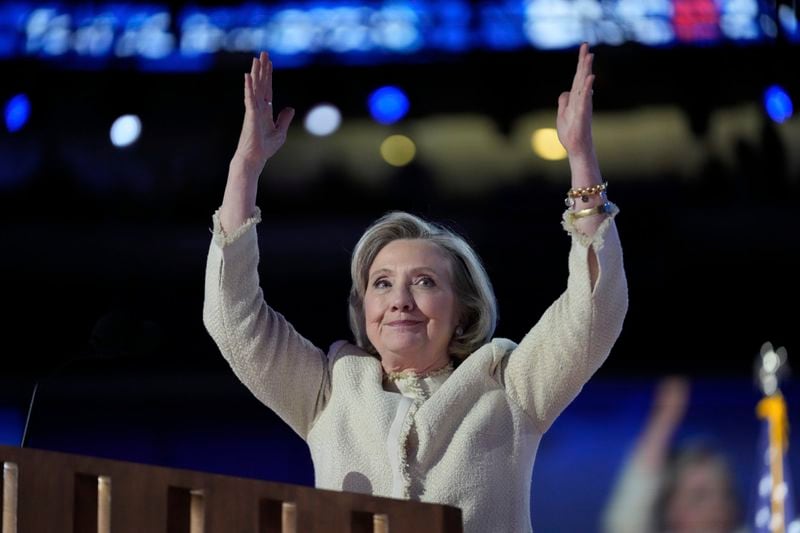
x=120, y=119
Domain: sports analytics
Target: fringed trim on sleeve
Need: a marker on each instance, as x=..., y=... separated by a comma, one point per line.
x=596, y=240
x=222, y=238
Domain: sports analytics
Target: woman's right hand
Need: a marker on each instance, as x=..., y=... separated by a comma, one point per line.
x=671, y=400
x=262, y=135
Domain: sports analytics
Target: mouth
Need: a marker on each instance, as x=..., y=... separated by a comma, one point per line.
x=404, y=323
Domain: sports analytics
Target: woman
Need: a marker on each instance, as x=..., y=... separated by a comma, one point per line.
x=425, y=405
x=689, y=489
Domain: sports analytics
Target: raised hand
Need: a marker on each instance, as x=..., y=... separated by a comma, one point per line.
x=671, y=399
x=574, y=121
x=262, y=135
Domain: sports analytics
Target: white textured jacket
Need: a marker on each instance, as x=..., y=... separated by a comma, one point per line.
x=472, y=444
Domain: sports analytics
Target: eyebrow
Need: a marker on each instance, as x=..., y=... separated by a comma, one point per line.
x=413, y=270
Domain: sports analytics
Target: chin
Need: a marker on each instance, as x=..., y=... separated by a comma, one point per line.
x=404, y=350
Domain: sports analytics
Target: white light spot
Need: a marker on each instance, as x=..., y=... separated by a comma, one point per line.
x=762, y=517
x=771, y=361
x=125, y=130
x=794, y=527
x=323, y=119
x=765, y=486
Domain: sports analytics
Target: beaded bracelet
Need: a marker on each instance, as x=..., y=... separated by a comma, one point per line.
x=584, y=193
x=606, y=207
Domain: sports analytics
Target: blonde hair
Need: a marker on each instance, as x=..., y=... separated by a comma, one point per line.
x=477, y=306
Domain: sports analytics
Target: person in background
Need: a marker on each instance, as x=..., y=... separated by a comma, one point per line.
x=665, y=490
x=423, y=403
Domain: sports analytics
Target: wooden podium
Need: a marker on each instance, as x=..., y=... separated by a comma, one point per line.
x=50, y=492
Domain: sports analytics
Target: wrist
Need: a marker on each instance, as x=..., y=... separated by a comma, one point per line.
x=246, y=167
x=585, y=169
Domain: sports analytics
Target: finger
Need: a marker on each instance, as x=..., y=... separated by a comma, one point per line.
x=262, y=63
x=284, y=119
x=254, y=71
x=255, y=80
x=582, y=100
x=588, y=84
x=268, y=81
x=587, y=65
x=583, y=76
x=563, y=102
x=579, y=69
x=249, y=96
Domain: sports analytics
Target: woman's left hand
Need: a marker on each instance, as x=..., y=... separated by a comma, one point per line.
x=574, y=121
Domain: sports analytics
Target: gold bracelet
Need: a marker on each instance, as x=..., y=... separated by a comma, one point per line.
x=584, y=193
x=597, y=210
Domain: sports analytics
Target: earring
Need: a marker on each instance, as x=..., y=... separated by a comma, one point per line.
x=459, y=331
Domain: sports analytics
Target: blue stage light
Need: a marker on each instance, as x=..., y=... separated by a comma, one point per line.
x=17, y=111
x=778, y=104
x=388, y=104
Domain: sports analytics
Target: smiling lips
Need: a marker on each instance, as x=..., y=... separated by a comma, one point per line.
x=404, y=323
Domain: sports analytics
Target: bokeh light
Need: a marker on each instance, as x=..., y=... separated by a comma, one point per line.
x=546, y=145
x=388, y=104
x=17, y=112
x=323, y=119
x=398, y=150
x=125, y=130
x=778, y=104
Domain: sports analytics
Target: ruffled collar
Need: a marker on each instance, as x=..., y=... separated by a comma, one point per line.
x=411, y=374
x=417, y=386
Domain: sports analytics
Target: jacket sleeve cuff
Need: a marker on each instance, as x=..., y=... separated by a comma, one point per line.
x=596, y=241
x=223, y=238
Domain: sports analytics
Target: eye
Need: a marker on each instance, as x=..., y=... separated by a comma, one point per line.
x=381, y=283
x=426, y=281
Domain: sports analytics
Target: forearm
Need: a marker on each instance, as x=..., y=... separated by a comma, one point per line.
x=630, y=508
x=653, y=445
x=585, y=172
x=239, y=200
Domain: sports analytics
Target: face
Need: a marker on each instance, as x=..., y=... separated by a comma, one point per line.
x=701, y=503
x=410, y=306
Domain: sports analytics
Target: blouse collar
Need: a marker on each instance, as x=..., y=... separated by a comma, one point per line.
x=417, y=386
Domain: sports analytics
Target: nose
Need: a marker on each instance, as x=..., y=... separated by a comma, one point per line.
x=402, y=299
